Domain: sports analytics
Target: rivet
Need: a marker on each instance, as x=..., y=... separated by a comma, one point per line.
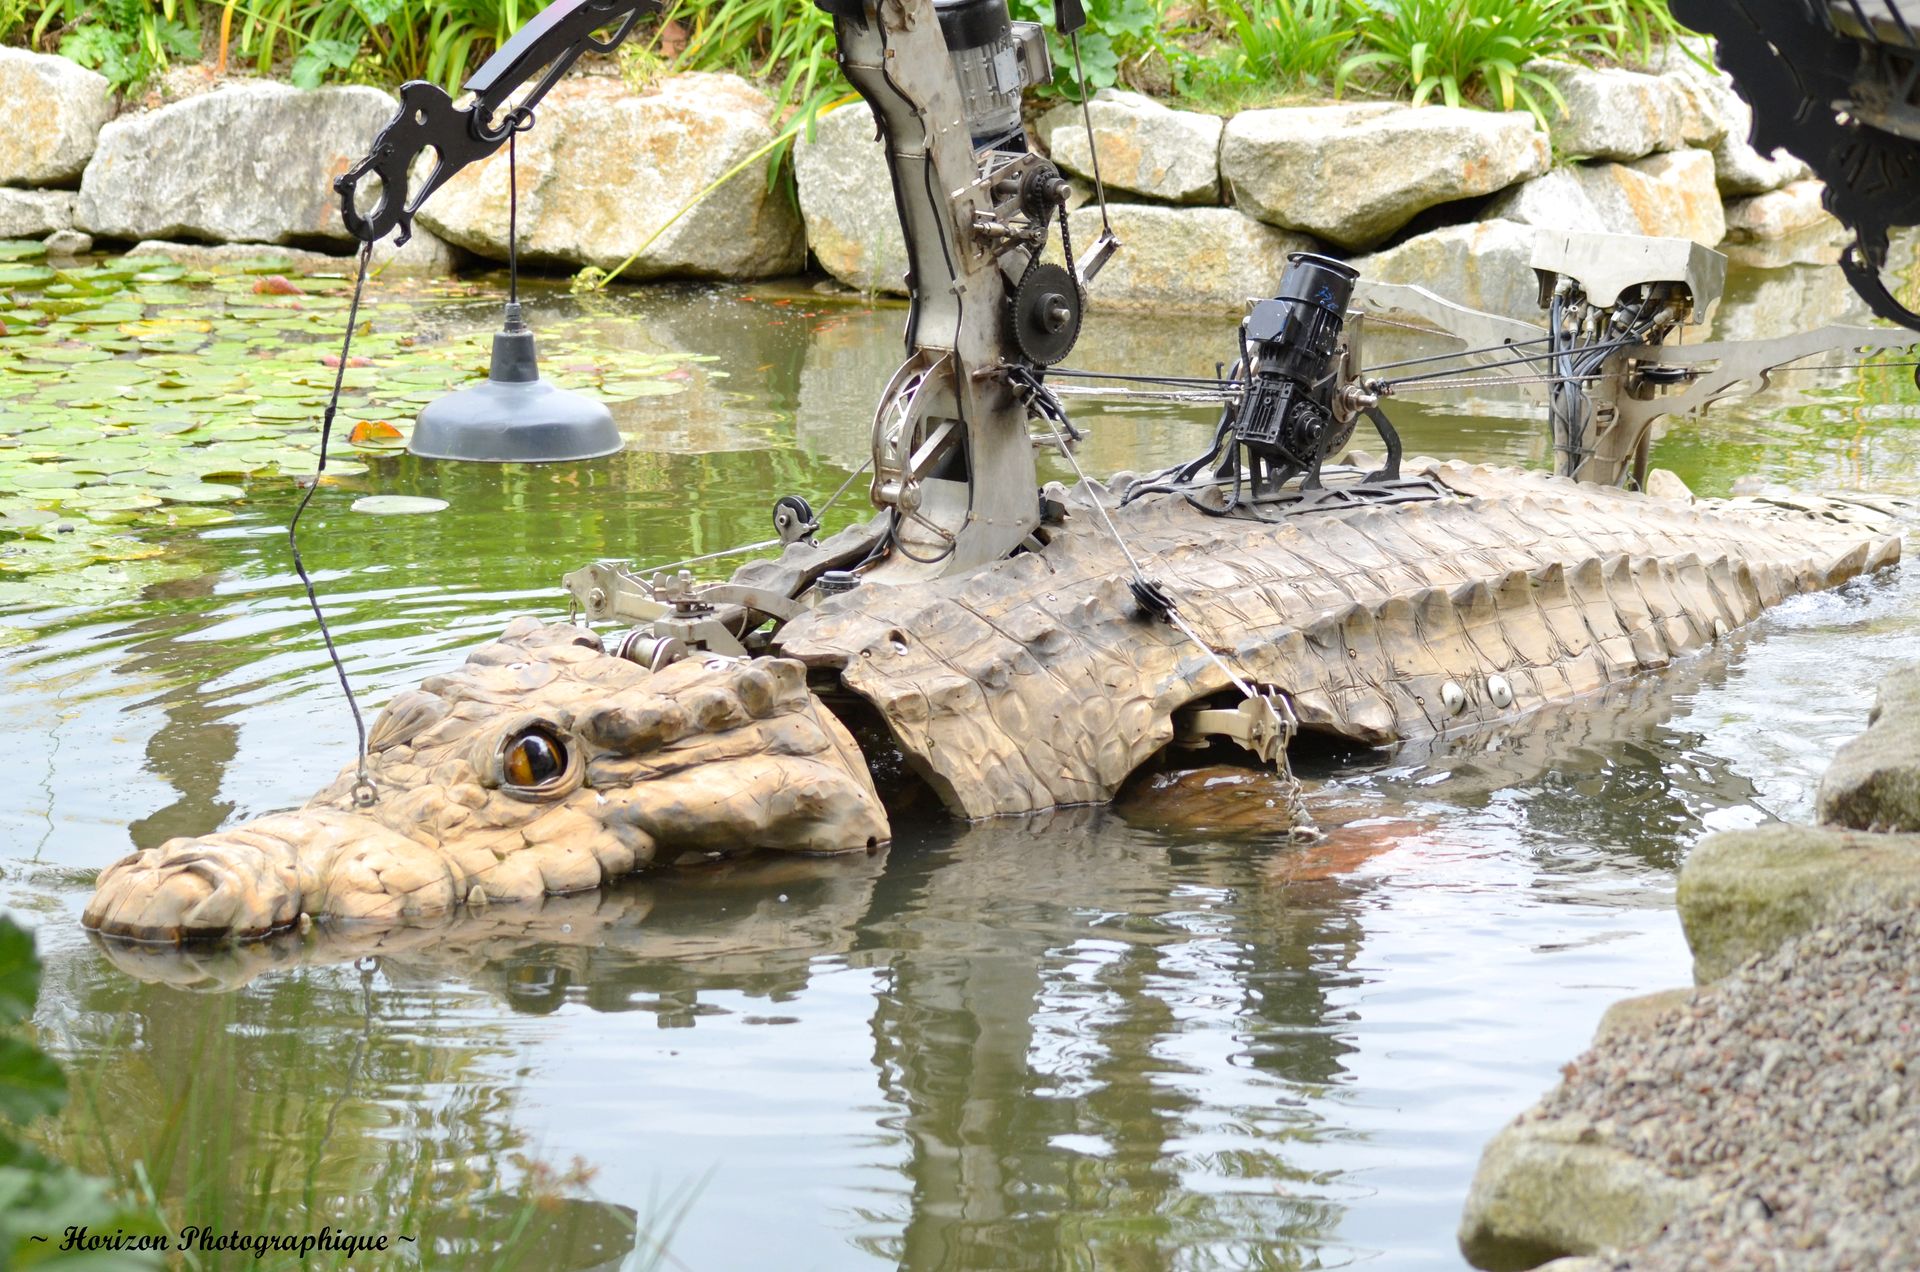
x=1453, y=698
x=1500, y=692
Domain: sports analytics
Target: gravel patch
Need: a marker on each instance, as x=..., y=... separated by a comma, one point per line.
x=1792, y=1087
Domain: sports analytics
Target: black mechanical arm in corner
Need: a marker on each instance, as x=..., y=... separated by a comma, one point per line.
x=1836, y=83
x=547, y=47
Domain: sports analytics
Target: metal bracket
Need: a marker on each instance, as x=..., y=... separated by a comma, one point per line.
x=674, y=606
x=1719, y=368
x=427, y=120
x=1095, y=258
x=1263, y=724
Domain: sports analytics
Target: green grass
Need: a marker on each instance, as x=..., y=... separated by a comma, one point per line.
x=1469, y=50
x=289, y=1107
x=1214, y=53
x=1631, y=30
x=1244, y=53
x=40, y=1197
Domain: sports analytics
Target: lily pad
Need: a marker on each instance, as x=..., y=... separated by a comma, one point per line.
x=627, y=390
x=25, y=518
x=201, y=493
x=25, y=276
x=398, y=505
x=376, y=435
x=188, y=515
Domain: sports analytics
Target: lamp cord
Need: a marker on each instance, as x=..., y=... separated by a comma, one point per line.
x=519, y=120
x=364, y=791
x=513, y=218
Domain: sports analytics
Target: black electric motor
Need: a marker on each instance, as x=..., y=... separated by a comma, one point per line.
x=979, y=37
x=1288, y=345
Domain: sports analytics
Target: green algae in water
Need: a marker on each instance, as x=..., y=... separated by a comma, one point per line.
x=139, y=396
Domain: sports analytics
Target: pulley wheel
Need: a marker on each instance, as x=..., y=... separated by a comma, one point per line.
x=1044, y=314
x=792, y=518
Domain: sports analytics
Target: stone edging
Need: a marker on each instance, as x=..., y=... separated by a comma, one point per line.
x=1619, y=1168
x=1207, y=208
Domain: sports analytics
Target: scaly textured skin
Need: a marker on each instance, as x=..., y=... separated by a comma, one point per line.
x=1036, y=683
x=1030, y=684
x=708, y=754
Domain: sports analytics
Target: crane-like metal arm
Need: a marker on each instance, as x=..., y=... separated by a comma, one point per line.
x=952, y=454
x=428, y=120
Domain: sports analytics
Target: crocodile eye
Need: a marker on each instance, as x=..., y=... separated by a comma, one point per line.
x=533, y=758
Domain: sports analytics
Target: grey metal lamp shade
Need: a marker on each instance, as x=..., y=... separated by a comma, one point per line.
x=514, y=416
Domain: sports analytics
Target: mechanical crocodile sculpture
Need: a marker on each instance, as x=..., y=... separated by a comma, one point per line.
x=1014, y=649
x=547, y=765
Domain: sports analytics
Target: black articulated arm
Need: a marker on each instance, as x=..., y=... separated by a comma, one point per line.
x=1836, y=83
x=548, y=46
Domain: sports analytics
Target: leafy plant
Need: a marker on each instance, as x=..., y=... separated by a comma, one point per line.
x=128, y=41
x=1294, y=42
x=1113, y=28
x=790, y=46
x=386, y=40
x=1457, y=49
x=1631, y=29
x=1290, y=45
x=38, y=1197
x=13, y=17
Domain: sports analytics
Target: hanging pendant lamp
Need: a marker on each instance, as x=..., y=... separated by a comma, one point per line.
x=514, y=416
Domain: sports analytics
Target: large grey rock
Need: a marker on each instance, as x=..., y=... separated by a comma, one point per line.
x=1143, y=147
x=1192, y=260
x=67, y=243
x=1780, y=214
x=1560, y=200
x=424, y=256
x=34, y=213
x=1612, y=113
x=1548, y=1188
x=1820, y=246
x=1742, y=170
x=1721, y=121
x=1704, y=120
x=846, y=199
x=1633, y=1017
x=1874, y=781
x=1487, y=265
x=252, y=163
x=608, y=170
x=1711, y=107
x=1354, y=174
x=1746, y=892
x=54, y=110
x=1671, y=195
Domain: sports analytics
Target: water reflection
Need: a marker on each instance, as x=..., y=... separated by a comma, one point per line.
x=1098, y=1041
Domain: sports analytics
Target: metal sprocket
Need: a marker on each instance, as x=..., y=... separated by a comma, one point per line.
x=1799, y=74
x=1044, y=314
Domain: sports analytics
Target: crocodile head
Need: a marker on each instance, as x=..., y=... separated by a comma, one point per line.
x=542, y=766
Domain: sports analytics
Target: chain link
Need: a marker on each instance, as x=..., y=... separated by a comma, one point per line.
x=1301, y=828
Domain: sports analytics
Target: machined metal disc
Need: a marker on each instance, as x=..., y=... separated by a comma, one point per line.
x=1044, y=314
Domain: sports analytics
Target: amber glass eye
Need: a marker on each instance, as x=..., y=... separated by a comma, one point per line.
x=534, y=758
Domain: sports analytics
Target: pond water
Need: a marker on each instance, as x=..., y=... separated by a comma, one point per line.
x=1079, y=1041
